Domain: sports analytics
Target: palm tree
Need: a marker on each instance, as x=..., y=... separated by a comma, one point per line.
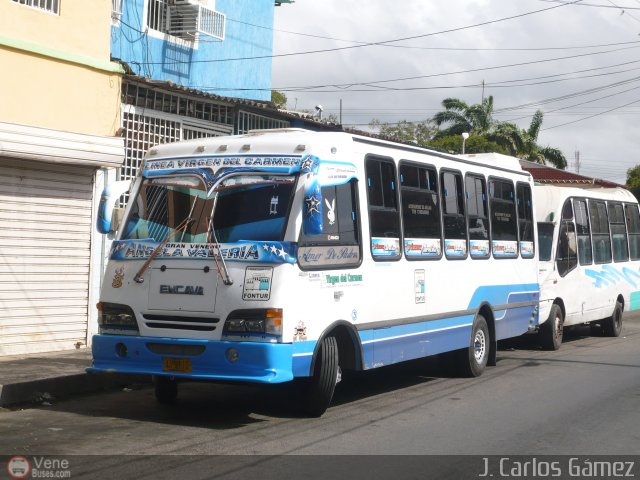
x=461, y=117
x=524, y=143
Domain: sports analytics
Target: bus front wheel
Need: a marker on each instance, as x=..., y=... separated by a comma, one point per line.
x=612, y=326
x=473, y=360
x=318, y=391
x=551, y=331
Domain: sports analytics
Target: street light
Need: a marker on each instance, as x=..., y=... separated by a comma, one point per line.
x=465, y=135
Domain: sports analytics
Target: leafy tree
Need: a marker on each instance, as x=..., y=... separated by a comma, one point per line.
x=444, y=131
x=474, y=144
x=633, y=181
x=460, y=117
x=419, y=133
x=279, y=99
x=524, y=143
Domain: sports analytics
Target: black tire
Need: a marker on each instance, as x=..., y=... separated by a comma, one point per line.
x=166, y=389
x=612, y=326
x=319, y=389
x=551, y=331
x=473, y=360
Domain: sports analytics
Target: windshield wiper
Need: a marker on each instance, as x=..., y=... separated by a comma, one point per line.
x=224, y=272
x=139, y=278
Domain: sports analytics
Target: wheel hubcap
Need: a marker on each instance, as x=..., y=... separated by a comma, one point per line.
x=479, y=346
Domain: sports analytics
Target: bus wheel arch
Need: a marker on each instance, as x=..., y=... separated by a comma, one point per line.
x=348, y=343
x=336, y=349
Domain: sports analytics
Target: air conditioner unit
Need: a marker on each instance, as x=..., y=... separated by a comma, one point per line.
x=189, y=19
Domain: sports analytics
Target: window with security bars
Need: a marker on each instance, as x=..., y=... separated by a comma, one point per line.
x=144, y=129
x=52, y=6
x=142, y=132
x=251, y=121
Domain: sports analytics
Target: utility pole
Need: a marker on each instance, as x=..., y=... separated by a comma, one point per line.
x=577, y=162
x=482, y=91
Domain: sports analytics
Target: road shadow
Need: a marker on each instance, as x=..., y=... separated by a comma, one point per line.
x=230, y=406
x=531, y=341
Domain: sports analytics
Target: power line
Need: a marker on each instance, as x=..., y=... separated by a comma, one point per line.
x=582, y=4
x=410, y=47
x=568, y=96
x=591, y=116
x=374, y=85
x=581, y=103
x=384, y=42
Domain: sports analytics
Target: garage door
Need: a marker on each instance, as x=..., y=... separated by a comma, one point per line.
x=45, y=226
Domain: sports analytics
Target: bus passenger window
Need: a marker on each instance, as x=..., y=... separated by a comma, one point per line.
x=583, y=230
x=600, y=231
x=632, y=216
x=384, y=219
x=420, y=212
x=618, y=232
x=455, y=231
x=566, y=256
x=525, y=220
x=478, y=214
x=504, y=227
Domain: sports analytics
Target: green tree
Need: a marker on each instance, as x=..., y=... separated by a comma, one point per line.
x=633, y=181
x=474, y=144
x=524, y=143
x=419, y=133
x=459, y=117
x=279, y=99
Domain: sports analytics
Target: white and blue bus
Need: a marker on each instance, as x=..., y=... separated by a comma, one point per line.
x=589, y=247
x=282, y=255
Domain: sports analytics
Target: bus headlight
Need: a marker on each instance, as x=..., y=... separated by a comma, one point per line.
x=259, y=321
x=116, y=319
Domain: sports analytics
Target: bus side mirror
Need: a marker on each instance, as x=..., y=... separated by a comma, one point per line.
x=110, y=196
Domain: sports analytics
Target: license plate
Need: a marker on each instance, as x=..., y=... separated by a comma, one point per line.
x=182, y=365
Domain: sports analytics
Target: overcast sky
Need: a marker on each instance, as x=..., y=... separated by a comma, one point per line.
x=601, y=36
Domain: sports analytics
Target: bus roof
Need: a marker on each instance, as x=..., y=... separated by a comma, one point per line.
x=551, y=198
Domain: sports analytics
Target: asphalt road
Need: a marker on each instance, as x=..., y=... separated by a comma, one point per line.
x=583, y=399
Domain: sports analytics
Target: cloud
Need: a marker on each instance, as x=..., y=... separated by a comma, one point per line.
x=610, y=140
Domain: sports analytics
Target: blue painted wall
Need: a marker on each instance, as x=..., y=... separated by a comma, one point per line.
x=204, y=68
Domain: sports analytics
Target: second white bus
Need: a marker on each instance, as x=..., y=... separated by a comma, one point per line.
x=589, y=248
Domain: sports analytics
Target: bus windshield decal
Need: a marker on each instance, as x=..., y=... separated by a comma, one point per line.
x=242, y=251
x=173, y=164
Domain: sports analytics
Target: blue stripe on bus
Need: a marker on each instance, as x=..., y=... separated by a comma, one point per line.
x=389, y=345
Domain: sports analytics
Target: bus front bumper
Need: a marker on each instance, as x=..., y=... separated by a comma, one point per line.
x=193, y=359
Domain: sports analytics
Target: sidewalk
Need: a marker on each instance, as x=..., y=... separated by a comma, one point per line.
x=44, y=377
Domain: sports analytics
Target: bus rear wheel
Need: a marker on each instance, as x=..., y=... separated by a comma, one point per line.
x=551, y=331
x=473, y=360
x=319, y=389
x=612, y=326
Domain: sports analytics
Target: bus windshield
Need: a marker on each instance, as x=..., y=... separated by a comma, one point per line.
x=545, y=240
x=178, y=209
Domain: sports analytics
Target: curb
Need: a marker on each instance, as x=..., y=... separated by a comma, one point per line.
x=35, y=391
